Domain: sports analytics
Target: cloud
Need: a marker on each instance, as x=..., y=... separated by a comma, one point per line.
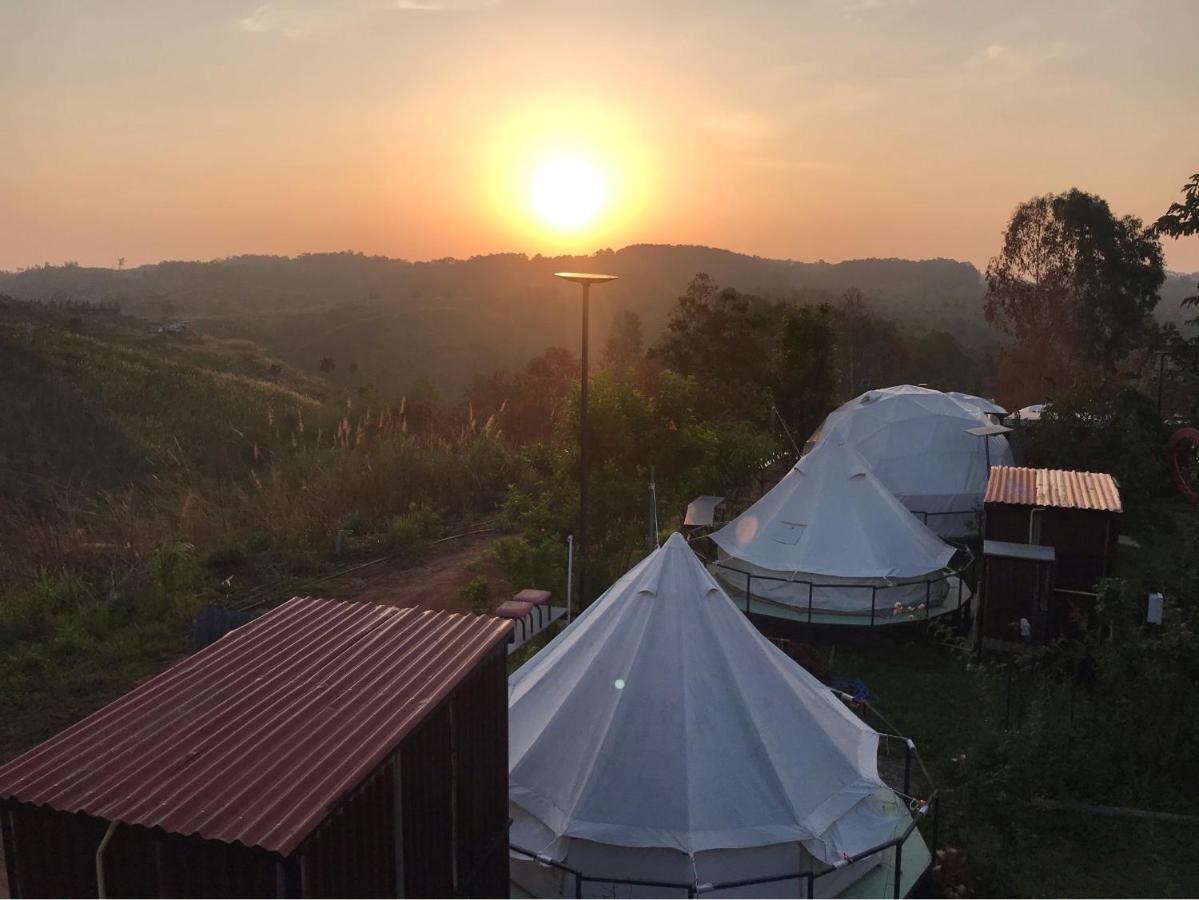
x=1018, y=59
x=442, y=5
x=289, y=20
x=303, y=18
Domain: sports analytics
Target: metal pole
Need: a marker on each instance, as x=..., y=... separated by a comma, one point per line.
x=583, y=454
x=898, y=866
x=570, y=559
x=907, y=769
x=1161, y=376
x=653, y=511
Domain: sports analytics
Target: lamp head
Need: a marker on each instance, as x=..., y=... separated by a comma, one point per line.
x=585, y=277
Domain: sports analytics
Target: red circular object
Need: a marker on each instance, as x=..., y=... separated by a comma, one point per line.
x=1180, y=441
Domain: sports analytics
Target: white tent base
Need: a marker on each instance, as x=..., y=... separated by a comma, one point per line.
x=882, y=616
x=878, y=880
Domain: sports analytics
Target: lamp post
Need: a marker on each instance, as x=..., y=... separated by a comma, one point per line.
x=584, y=280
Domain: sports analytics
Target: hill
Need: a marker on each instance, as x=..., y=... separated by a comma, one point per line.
x=397, y=321
x=92, y=398
x=391, y=322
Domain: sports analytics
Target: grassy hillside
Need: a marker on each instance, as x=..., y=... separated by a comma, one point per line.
x=91, y=398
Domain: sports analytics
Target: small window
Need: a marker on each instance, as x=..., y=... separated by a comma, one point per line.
x=788, y=533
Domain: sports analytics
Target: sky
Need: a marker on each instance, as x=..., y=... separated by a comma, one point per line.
x=802, y=129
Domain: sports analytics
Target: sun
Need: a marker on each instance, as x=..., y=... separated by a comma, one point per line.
x=567, y=193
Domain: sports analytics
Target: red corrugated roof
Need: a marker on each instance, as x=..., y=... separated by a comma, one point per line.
x=1057, y=488
x=256, y=737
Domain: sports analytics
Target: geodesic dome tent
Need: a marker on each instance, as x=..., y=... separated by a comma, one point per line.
x=990, y=407
x=917, y=442
x=661, y=746
x=829, y=537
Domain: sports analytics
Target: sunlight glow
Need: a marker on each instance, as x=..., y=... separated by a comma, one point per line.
x=567, y=193
x=564, y=175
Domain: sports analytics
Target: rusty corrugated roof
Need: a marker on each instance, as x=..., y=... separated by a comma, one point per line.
x=1058, y=488
x=256, y=737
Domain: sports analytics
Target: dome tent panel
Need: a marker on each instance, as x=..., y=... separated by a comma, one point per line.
x=660, y=726
x=917, y=442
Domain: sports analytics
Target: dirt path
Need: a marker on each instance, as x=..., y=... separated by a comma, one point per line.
x=436, y=582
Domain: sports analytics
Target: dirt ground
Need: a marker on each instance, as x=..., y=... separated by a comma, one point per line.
x=436, y=582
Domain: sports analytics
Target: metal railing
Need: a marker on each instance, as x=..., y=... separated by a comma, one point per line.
x=958, y=571
x=807, y=879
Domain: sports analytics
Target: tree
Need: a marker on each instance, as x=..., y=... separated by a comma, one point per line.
x=1182, y=220
x=327, y=364
x=625, y=345
x=120, y=262
x=1105, y=426
x=805, y=377
x=1073, y=284
x=871, y=351
x=722, y=339
x=939, y=361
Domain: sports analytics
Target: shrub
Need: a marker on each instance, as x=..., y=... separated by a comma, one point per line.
x=477, y=592
x=404, y=537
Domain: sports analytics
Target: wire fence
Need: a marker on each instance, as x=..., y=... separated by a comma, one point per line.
x=963, y=571
x=921, y=809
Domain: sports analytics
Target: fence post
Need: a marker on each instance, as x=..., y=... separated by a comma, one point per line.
x=907, y=768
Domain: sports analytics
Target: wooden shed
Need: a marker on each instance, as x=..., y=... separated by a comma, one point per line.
x=1073, y=513
x=325, y=749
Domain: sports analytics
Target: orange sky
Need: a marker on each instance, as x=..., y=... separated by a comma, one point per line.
x=806, y=129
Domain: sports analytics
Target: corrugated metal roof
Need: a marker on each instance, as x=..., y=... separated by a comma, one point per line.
x=255, y=738
x=1059, y=488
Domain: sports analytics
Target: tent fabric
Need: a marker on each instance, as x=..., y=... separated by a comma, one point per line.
x=661, y=718
x=990, y=407
x=831, y=516
x=1031, y=413
x=915, y=440
x=864, y=597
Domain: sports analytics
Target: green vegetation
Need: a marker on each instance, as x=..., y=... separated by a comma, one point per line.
x=477, y=592
x=1011, y=847
x=149, y=471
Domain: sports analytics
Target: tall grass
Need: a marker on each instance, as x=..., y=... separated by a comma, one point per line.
x=97, y=589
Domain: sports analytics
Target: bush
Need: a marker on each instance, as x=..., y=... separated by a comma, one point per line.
x=531, y=561
x=477, y=592
x=404, y=537
x=1105, y=427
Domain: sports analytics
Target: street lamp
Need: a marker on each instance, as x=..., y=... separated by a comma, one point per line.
x=585, y=280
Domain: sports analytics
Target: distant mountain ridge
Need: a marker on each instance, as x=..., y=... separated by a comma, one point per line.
x=396, y=321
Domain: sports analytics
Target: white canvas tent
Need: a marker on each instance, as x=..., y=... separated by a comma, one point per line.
x=1030, y=413
x=917, y=442
x=661, y=738
x=829, y=534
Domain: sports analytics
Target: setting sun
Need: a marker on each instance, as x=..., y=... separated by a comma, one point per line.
x=567, y=193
